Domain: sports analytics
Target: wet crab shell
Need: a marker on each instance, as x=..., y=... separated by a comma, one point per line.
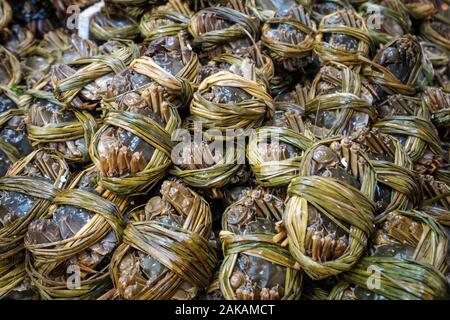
x=353, y=38
x=168, y=268
x=82, y=228
x=276, y=162
x=255, y=267
x=322, y=254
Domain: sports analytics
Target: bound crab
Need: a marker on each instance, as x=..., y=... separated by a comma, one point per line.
x=81, y=228
x=343, y=37
x=97, y=73
x=338, y=102
x=170, y=62
x=154, y=262
x=254, y=266
x=223, y=30
x=14, y=142
x=26, y=192
x=51, y=125
x=132, y=148
x=400, y=67
x=323, y=238
x=209, y=163
x=275, y=154
x=413, y=235
x=289, y=36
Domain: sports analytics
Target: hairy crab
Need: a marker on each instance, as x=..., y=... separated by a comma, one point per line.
x=154, y=262
x=259, y=272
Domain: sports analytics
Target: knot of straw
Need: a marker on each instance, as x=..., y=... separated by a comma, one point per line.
x=149, y=131
x=242, y=26
x=355, y=27
x=339, y=202
x=245, y=114
x=281, y=171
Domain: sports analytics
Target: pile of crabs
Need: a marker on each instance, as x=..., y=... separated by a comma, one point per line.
x=222, y=149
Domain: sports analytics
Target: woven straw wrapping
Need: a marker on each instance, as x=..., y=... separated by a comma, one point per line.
x=280, y=51
x=103, y=29
x=345, y=103
x=92, y=68
x=180, y=23
x=401, y=279
x=244, y=26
